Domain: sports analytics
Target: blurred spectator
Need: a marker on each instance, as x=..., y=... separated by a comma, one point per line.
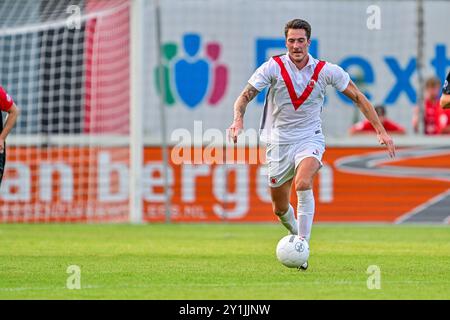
x=365, y=126
x=435, y=119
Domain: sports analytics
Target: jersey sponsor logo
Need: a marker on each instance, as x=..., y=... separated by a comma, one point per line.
x=311, y=83
x=273, y=180
x=316, y=152
x=190, y=77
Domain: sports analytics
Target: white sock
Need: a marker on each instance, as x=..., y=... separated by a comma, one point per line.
x=305, y=213
x=288, y=220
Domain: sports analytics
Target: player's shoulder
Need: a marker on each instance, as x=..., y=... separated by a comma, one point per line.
x=273, y=59
x=5, y=100
x=3, y=93
x=331, y=67
x=278, y=56
x=270, y=65
x=332, y=70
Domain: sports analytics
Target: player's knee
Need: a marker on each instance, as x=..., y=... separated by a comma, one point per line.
x=280, y=210
x=303, y=184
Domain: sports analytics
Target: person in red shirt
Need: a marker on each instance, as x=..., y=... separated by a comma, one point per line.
x=6, y=105
x=366, y=127
x=435, y=119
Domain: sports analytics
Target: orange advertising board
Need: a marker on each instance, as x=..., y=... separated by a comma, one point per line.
x=91, y=184
x=354, y=185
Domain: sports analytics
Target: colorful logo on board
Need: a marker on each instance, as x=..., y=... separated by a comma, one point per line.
x=193, y=76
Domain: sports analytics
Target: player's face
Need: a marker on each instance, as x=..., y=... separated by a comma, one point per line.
x=297, y=44
x=432, y=92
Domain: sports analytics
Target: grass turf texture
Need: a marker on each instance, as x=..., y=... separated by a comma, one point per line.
x=221, y=261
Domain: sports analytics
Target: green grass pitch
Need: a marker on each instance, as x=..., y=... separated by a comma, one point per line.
x=221, y=261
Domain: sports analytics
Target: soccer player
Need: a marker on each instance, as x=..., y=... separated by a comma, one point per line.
x=6, y=105
x=445, y=98
x=291, y=124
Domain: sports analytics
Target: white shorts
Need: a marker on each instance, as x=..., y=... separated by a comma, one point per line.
x=283, y=159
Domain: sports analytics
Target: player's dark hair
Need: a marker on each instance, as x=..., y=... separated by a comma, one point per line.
x=298, y=24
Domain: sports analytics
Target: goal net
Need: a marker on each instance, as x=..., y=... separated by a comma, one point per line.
x=66, y=65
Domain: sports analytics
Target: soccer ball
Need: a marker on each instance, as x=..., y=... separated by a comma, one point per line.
x=292, y=251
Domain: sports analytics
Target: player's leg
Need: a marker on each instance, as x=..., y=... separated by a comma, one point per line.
x=280, y=167
x=282, y=207
x=304, y=176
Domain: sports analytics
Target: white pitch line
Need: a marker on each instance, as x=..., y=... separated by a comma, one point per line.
x=215, y=285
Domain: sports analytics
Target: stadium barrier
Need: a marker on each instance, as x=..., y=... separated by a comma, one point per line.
x=356, y=184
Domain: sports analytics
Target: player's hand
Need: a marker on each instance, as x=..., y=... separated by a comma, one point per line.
x=235, y=129
x=386, y=140
x=2, y=145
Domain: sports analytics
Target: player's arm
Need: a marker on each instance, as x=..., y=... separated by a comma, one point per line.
x=240, y=105
x=445, y=98
x=13, y=113
x=368, y=110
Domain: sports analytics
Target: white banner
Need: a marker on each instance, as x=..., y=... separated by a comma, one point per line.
x=211, y=48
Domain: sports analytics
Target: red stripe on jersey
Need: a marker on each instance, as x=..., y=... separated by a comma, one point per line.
x=298, y=101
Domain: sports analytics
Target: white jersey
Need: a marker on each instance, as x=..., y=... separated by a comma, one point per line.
x=292, y=114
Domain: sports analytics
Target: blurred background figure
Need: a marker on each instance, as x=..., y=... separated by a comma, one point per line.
x=366, y=127
x=435, y=119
